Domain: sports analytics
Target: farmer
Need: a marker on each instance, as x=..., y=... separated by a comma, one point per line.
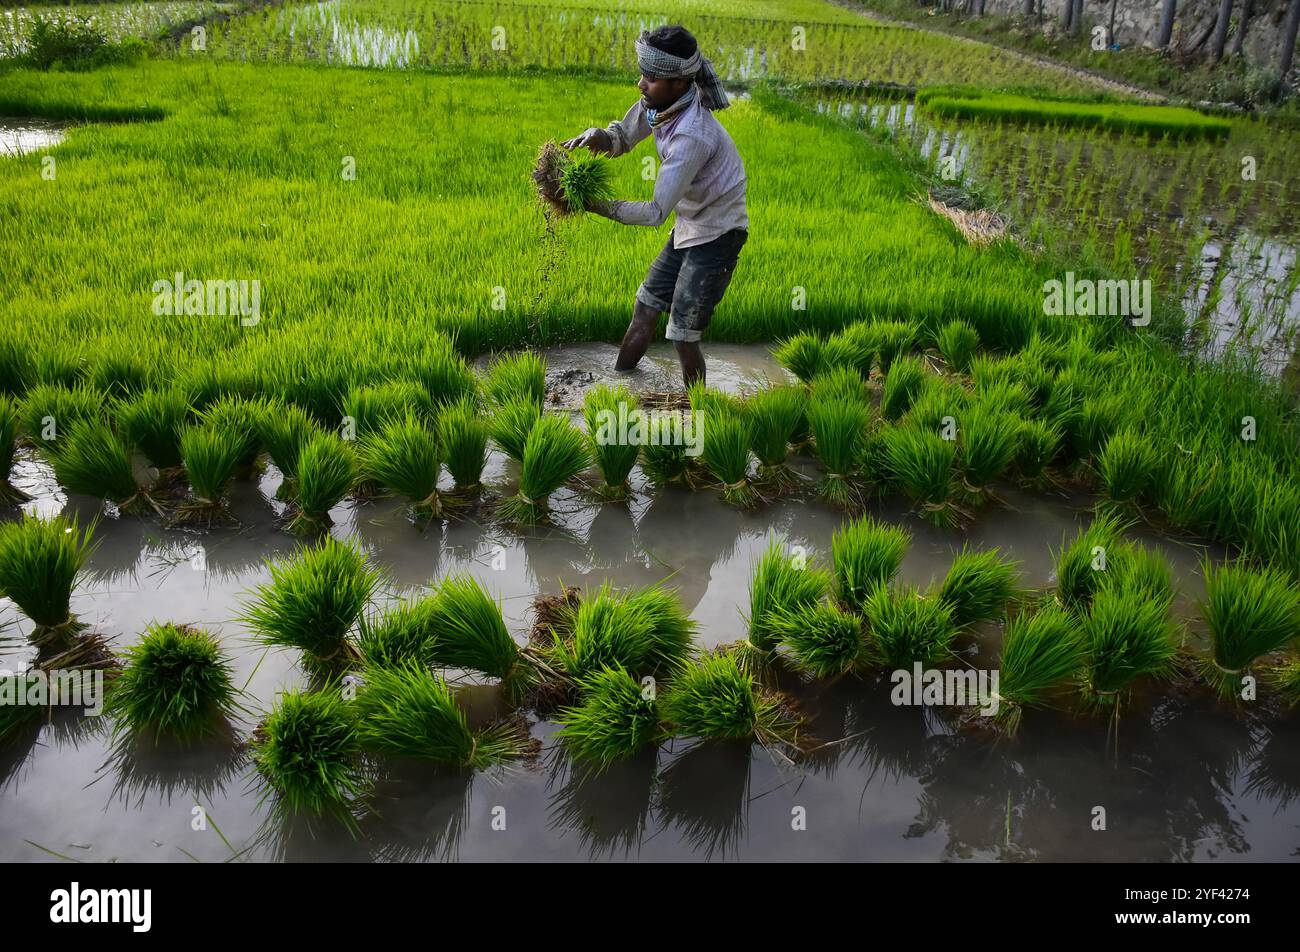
x=701, y=177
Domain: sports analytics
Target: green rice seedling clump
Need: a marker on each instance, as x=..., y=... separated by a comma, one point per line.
x=614, y=719
x=774, y=418
x=726, y=438
x=866, y=554
x=801, y=354
x=93, y=460
x=1132, y=567
x=521, y=375
x=838, y=383
x=469, y=632
x=609, y=630
x=1041, y=651
x=780, y=583
x=1080, y=564
x=987, y=444
x=1250, y=613
x=284, y=429
x=9, y=425
x=555, y=452
x=825, y=641
x=839, y=429
x=405, y=634
x=921, y=463
x=307, y=751
x=152, y=421
x=367, y=409
x=672, y=632
x=511, y=424
x=1127, y=637
x=958, y=342
x=1129, y=466
x=905, y=627
x=237, y=416
x=463, y=434
x=903, y=384
x=1038, y=445
x=611, y=415
x=715, y=699
x=569, y=184
x=895, y=339
x=1285, y=680
x=312, y=602
x=979, y=586
x=39, y=562
x=211, y=456
x=49, y=411
x=326, y=472
x=404, y=456
x=176, y=683
x=664, y=456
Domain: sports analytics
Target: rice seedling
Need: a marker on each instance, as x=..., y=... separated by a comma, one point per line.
x=463, y=435
x=725, y=440
x=568, y=184
x=1098, y=419
x=854, y=348
x=1039, y=443
x=802, y=355
x=404, y=456
x=518, y=375
x=367, y=409
x=312, y=602
x=176, y=683
x=49, y=411
x=986, y=443
x=1133, y=568
x=672, y=632
x=1079, y=564
x=774, y=417
x=905, y=627
x=307, y=751
x=781, y=583
x=39, y=562
x=469, y=633
x=441, y=370
x=645, y=633
x=93, y=460
x=1250, y=613
x=211, y=455
x=237, y=416
x=958, y=342
x=921, y=463
x=895, y=338
x=326, y=471
x=614, y=719
x=715, y=699
x=839, y=429
x=1128, y=466
x=284, y=429
x=866, y=554
x=512, y=423
x=151, y=421
x=1041, y=651
x=1006, y=396
x=664, y=455
x=903, y=383
x=407, y=711
x=1285, y=680
x=400, y=635
x=979, y=586
x=1127, y=637
x=838, y=383
x=938, y=405
x=825, y=641
x=554, y=453
x=611, y=415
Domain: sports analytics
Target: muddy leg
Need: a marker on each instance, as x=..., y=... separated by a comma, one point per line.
x=637, y=338
x=692, y=361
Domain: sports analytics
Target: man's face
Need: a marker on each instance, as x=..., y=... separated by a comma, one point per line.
x=658, y=93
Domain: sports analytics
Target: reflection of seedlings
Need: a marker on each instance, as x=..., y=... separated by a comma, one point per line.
x=1250, y=613
x=979, y=586
x=610, y=809
x=1040, y=652
x=424, y=815
x=705, y=792
x=9, y=493
x=165, y=769
x=93, y=460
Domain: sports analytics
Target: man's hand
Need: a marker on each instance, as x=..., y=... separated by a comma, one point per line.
x=596, y=140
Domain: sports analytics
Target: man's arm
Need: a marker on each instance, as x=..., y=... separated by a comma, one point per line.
x=618, y=138
x=688, y=156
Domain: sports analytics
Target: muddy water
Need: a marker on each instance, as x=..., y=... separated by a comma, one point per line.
x=20, y=136
x=892, y=783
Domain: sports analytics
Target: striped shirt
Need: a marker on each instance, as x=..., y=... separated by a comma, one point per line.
x=700, y=176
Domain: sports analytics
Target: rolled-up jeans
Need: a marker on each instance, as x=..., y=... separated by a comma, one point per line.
x=688, y=283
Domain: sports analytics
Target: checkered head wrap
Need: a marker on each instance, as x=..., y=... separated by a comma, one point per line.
x=653, y=61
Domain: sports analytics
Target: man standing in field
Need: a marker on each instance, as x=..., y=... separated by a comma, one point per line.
x=701, y=177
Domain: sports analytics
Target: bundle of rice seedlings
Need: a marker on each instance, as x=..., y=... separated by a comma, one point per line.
x=1038, y=444
x=1079, y=564
x=1127, y=637
x=237, y=416
x=979, y=586
x=610, y=414
x=554, y=453
x=894, y=339
x=839, y=429
x=725, y=440
x=958, y=342
x=369, y=408
x=780, y=584
x=9, y=422
x=1128, y=465
x=866, y=554
x=905, y=627
x=1006, y=396
x=904, y=382
x=312, y=602
x=715, y=699
x=1285, y=680
x=39, y=562
x=774, y=415
x=987, y=443
x=939, y=403
x=614, y=719
x=284, y=429
x=854, y=348
x=401, y=635
x=469, y=633
x=119, y=373
x=407, y=711
x=211, y=455
x=1250, y=613
x=1098, y=419
x=801, y=354
x=50, y=411
x=307, y=751
x=518, y=375
x=645, y=633
x=152, y=421
x=463, y=435
x=1040, y=652
x=568, y=183
x=176, y=683
x=93, y=461
x=1132, y=567
x=443, y=372
x=838, y=383
x=404, y=456
x=664, y=455
x=512, y=423
x=921, y=464
x=672, y=632
x=326, y=471
x=825, y=641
